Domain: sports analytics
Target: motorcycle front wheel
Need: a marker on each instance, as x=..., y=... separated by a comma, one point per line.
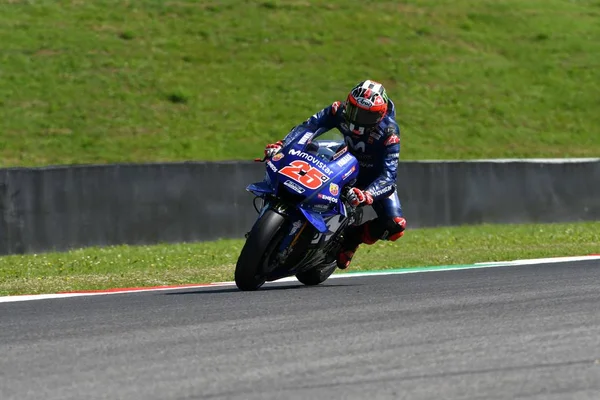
x=260, y=244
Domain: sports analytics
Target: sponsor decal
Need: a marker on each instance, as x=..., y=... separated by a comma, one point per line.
x=344, y=160
x=360, y=146
x=379, y=101
x=394, y=155
x=364, y=102
x=278, y=156
x=293, y=186
x=320, y=207
x=305, y=138
x=272, y=166
x=382, y=190
x=359, y=131
x=312, y=159
x=390, y=130
x=393, y=139
x=334, y=189
x=376, y=135
x=365, y=164
x=347, y=174
x=330, y=199
x=339, y=153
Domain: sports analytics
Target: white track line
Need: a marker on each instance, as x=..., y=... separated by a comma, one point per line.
x=543, y=260
x=11, y=299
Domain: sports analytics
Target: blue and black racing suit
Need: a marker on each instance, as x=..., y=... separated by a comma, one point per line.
x=377, y=151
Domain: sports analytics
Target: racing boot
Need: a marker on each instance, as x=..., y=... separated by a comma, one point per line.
x=355, y=236
x=345, y=256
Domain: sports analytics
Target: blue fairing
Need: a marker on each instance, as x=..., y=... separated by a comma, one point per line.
x=260, y=188
x=315, y=219
x=313, y=176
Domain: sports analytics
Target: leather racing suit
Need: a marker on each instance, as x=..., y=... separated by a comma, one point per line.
x=377, y=151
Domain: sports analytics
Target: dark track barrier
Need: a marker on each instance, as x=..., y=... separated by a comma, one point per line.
x=59, y=208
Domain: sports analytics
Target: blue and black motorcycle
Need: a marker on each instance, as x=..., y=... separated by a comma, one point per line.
x=302, y=214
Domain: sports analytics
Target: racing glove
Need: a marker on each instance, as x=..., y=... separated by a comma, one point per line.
x=357, y=197
x=273, y=149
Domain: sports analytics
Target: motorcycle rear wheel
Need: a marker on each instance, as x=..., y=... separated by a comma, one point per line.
x=257, y=251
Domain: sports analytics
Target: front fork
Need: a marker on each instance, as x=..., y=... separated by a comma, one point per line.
x=297, y=224
x=267, y=204
x=295, y=221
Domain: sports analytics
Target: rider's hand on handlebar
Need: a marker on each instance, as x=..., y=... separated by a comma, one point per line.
x=273, y=149
x=357, y=197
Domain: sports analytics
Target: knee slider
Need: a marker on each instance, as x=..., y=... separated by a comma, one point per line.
x=395, y=228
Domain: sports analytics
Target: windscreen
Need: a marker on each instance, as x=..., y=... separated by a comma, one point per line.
x=326, y=146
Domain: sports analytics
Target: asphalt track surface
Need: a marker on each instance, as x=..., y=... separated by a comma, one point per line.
x=525, y=332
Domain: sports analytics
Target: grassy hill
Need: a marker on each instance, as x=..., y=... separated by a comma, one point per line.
x=100, y=81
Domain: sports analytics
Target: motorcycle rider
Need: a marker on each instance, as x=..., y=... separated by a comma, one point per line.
x=367, y=121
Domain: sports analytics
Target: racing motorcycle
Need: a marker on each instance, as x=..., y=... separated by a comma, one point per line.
x=303, y=214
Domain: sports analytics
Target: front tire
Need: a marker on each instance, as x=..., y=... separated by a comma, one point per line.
x=317, y=275
x=257, y=251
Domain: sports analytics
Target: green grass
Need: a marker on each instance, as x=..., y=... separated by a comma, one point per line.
x=127, y=266
x=154, y=80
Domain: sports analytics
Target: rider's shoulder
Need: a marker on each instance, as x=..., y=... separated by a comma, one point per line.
x=389, y=126
x=390, y=131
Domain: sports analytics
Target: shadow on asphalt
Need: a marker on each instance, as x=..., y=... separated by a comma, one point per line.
x=262, y=289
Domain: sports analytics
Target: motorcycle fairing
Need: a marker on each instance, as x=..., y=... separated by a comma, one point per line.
x=260, y=188
x=315, y=219
x=338, y=168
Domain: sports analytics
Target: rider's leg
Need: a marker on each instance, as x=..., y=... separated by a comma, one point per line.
x=389, y=225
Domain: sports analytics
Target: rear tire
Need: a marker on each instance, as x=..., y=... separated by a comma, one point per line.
x=317, y=275
x=257, y=250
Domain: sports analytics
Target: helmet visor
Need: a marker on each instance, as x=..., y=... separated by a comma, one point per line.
x=361, y=117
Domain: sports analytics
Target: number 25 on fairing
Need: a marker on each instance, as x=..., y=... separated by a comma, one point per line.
x=303, y=173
